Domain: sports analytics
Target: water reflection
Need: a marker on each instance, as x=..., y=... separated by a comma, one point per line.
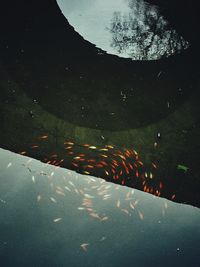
x=67, y=219
x=143, y=34
x=127, y=28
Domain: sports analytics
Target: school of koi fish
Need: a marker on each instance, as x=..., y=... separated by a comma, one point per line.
x=112, y=163
x=119, y=165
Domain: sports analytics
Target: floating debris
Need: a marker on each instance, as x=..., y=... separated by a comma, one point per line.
x=84, y=246
x=57, y=220
x=182, y=168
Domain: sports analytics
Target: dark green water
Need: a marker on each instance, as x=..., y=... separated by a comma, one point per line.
x=168, y=235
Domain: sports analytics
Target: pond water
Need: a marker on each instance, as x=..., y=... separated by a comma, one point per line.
x=56, y=217
x=127, y=28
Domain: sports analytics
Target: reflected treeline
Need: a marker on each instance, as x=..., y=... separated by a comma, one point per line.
x=143, y=33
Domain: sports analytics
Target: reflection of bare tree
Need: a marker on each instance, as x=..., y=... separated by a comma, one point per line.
x=143, y=33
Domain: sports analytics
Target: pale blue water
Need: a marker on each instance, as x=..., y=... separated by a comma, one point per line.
x=123, y=27
x=169, y=234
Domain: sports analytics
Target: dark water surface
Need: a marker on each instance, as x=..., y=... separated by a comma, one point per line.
x=55, y=217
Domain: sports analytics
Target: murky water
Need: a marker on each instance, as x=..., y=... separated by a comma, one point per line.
x=55, y=217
